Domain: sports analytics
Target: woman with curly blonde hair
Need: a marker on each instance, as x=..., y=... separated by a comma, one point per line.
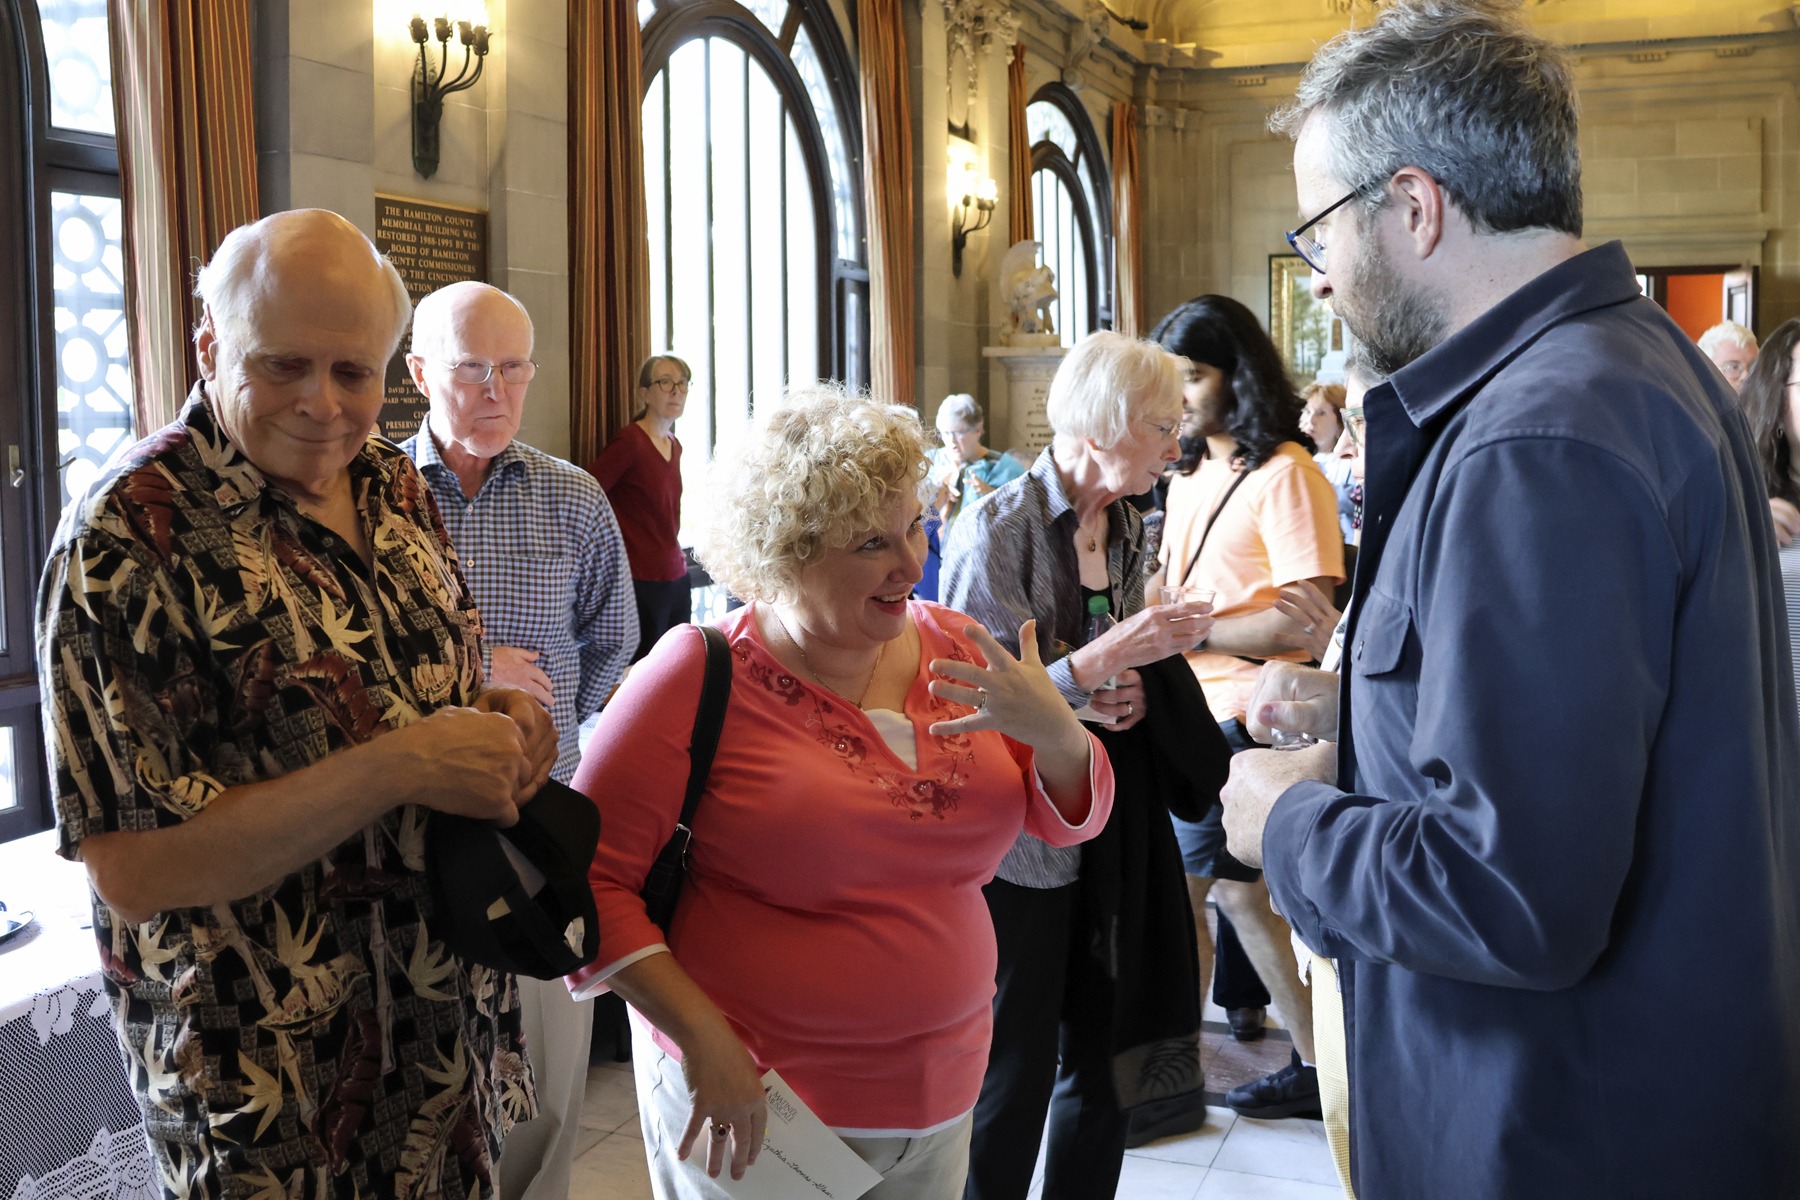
x=879, y=755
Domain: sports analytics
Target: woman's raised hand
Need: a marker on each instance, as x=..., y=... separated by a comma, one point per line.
x=1015, y=696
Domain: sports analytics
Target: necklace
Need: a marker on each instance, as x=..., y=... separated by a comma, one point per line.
x=816, y=674
x=1093, y=539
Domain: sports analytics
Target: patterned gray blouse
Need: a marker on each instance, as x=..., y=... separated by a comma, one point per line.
x=1011, y=558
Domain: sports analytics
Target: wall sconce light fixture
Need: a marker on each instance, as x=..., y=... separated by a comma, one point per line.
x=979, y=200
x=429, y=88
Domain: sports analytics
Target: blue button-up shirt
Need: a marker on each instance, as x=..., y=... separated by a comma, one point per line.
x=1571, y=771
x=546, y=564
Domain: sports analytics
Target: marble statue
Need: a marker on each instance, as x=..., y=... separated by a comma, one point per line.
x=1028, y=290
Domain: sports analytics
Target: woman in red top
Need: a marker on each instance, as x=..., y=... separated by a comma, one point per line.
x=877, y=758
x=640, y=471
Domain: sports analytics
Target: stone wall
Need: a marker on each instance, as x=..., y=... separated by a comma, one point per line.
x=1691, y=147
x=334, y=128
x=1691, y=156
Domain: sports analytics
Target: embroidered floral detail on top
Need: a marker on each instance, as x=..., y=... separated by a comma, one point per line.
x=919, y=796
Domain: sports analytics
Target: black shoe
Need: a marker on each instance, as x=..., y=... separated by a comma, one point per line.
x=1165, y=1118
x=1246, y=1023
x=1292, y=1091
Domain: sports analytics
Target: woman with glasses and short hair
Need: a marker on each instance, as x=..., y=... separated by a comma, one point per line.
x=962, y=472
x=1097, y=1008
x=640, y=470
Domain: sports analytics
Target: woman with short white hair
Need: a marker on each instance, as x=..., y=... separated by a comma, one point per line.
x=878, y=757
x=962, y=472
x=1049, y=545
x=1732, y=349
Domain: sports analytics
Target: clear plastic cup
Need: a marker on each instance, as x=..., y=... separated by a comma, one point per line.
x=1185, y=593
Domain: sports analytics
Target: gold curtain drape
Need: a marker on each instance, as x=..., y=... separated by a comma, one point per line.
x=1019, y=221
x=888, y=182
x=1128, y=216
x=187, y=174
x=609, y=254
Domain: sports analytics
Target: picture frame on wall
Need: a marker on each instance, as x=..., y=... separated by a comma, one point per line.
x=1305, y=330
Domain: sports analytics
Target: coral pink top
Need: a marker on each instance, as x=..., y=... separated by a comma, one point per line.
x=833, y=910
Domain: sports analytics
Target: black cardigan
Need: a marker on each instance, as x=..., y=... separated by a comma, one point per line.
x=1133, y=901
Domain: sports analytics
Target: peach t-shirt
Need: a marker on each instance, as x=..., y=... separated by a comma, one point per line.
x=1279, y=527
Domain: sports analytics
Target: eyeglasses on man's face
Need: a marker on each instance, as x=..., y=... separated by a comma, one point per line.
x=669, y=386
x=1311, y=250
x=475, y=371
x=1163, y=429
x=1353, y=422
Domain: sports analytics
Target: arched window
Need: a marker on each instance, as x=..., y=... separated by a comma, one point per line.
x=752, y=182
x=1071, y=207
x=63, y=350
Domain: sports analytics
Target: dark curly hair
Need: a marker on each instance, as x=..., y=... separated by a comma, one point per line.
x=1764, y=400
x=1264, y=409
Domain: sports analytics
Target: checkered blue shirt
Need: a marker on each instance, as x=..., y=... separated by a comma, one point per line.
x=547, y=566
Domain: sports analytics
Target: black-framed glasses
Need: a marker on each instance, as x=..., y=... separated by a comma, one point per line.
x=1311, y=250
x=669, y=387
x=475, y=371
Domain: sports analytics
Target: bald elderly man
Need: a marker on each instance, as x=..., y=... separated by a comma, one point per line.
x=262, y=677
x=547, y=565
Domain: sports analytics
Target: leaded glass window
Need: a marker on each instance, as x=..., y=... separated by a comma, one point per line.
x=93, y=369
x=1071, y=203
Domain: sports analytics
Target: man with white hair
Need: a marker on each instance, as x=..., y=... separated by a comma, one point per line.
x=548, y=569
x=260, y=679
x=1567, y=761
x=1732, y=349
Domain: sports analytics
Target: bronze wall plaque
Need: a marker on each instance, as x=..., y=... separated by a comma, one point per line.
x=431, y=245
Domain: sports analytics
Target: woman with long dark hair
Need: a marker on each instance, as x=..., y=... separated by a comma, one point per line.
x=1771, y=402
x=1253, y=519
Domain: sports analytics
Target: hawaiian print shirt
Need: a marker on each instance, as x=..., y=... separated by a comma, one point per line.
x=197, y=633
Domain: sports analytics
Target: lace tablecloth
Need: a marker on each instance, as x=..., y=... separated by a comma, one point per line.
x=69, y=1124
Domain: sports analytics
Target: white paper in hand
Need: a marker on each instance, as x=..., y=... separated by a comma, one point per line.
x=801, y=1158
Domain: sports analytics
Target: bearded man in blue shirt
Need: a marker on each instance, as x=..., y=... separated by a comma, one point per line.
x=1566, y=779
x=546, y=564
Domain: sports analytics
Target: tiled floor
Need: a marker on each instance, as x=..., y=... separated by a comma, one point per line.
x=1232, y=1158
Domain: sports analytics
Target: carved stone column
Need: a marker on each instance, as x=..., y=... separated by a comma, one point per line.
x=1022, y=425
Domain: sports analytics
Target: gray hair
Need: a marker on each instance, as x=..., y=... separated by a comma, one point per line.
x=231, y=281
x=1726, y=333
x=1461, y=90
x=1104, y=381
x=959, y=412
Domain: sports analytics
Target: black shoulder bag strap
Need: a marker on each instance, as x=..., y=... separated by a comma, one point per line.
x=1235, y=484
x=662, y=886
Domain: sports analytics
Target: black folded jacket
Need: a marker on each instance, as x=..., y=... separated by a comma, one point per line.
x=1138, y=927
x=483, y=910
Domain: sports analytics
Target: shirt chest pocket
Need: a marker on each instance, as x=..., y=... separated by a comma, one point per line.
x=1382, y=633
x=1384, y=676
